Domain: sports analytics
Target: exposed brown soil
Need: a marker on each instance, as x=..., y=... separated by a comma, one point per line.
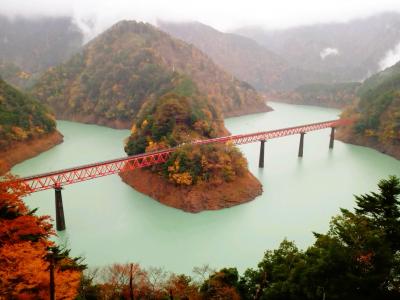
x=194, y=198
x=21, y=151
x=347, y=136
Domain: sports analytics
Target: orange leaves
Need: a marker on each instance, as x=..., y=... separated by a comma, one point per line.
x=26, y=227
x=24, y=240
x=11, y=193
x=22, y=269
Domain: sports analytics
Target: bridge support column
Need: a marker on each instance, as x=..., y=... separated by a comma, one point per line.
x=301, y=146
x=331, y=141
x=261, y=159
x=60, y=220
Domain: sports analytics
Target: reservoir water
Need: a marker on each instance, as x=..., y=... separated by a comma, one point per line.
x=107, y=221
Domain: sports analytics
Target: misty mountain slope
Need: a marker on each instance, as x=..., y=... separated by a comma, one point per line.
x=377, y=114
x=131, y=62
x=336, y=95
x=243, y=57
x=26, y=127
x=29, y=46
x=349, y=51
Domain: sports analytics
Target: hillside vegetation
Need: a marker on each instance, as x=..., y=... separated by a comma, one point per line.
x=112, y=77
x=21, y=117
x=27, y=127
x=184, y=181
x=336, y=95
x=172, y=120
x=348, y=51
x=246, y=59
x=377, y=114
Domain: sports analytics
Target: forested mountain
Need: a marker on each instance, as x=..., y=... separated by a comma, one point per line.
x=112, y=77
x=28, y=46
x=377, y=113
x=245, y=58
x=337, y=95
x=24, y=123
x=350, y=51
x=21, y=117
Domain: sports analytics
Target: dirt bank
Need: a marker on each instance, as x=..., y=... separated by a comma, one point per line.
x=21, y=151
x=248, y=110
x=346, y=135
x=194, y=198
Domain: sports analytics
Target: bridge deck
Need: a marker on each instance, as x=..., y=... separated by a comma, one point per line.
x=99, y=169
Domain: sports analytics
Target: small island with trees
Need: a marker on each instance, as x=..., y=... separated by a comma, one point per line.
x=195, y=177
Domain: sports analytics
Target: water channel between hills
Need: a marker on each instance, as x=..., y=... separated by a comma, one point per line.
x=107, y=221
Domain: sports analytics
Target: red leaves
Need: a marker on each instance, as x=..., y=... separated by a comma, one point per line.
x=24, y=240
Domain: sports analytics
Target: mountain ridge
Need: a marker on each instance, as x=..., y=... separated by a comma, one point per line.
x=118, y=70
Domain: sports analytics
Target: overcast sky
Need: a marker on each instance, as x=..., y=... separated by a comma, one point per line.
x=224, y=15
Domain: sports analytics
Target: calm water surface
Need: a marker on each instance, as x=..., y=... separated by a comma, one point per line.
x=107, y=221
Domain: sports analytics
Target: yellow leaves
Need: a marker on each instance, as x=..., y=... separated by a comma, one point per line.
x=19, y=133
x=201, y=126
x=144, y=124
x=133, y=129
x=370, y=132
x=24, y=75
x=39, y=130
x=121, y=105
x=182, y=178
x=116, y=88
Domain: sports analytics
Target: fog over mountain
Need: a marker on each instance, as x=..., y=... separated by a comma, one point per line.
x=94, y=16
x=293, y=42
x=350, y=51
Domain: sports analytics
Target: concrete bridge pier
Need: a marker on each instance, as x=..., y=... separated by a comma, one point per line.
x=301, y=146
x=261, y=159
x=60, y=220
x=331, y=141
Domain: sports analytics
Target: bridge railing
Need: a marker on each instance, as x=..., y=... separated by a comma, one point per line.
x=90, y=171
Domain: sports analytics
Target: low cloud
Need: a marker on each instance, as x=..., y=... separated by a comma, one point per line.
x=391, y=57
x=328, y=52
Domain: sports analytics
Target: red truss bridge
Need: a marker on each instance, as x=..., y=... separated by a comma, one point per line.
x=57, y=179
x=99, y=169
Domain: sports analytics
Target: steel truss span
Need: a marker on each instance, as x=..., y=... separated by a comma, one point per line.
x=60, y=178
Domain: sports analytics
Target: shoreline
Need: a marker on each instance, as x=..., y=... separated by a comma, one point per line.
x=23, y=150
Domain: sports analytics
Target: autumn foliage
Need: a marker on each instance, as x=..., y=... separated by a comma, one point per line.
x=21, y=117
x=176, y=119
x=24, y=250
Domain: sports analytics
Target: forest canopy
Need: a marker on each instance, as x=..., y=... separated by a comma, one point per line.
x=21, y=116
